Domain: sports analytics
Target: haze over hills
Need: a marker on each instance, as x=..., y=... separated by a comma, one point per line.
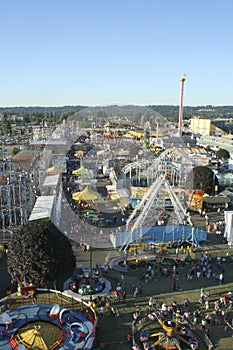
x=120, y=110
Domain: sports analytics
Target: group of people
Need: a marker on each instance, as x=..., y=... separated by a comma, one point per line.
x=210, y=312
x=208, y=267
x=213, y=226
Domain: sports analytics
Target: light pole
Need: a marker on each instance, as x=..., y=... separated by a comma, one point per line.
x=90, y=258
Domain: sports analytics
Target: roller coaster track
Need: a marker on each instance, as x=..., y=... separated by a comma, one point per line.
x=146, y=205
x=152, y=198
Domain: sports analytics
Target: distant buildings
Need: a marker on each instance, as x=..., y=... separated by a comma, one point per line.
x=211, y=127
x=203, y=127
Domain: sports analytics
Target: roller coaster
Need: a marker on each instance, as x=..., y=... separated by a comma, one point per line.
x=152, y=211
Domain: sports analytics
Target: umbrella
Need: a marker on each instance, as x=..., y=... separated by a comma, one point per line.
x=78, y=171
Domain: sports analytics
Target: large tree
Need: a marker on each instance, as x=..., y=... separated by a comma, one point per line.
x=40, y=253
x=202, y=178
x=222, y=154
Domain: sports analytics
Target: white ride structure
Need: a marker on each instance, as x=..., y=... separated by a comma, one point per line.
x=153, y=205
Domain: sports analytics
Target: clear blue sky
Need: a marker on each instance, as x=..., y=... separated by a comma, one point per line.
x=99, y=52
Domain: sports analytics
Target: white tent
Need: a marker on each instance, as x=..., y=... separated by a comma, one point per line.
x=228, y=234
x=51, y=180
x=43, y=208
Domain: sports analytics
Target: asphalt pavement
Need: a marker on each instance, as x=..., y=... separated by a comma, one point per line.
x=5, y=278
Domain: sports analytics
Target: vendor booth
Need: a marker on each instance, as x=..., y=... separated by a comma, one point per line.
x=215, y=202
x=228, y=234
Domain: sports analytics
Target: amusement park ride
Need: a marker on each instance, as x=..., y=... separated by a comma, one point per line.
x=153, y=204
x=172, y=337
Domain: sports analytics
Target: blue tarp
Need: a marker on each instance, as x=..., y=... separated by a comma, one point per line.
x=160, y=234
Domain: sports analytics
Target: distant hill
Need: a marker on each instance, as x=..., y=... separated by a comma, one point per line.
x=40, y=109
x=119, y=110
x=189, y=111
x=167, y=111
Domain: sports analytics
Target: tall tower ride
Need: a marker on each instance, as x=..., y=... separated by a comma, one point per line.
x=182, y=80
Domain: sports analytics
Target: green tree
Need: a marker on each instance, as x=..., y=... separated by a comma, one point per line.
x=14, y=151
x=202, y=178
x=26, y=119
x=7, y=129
x=40, y=253
x=222, y=154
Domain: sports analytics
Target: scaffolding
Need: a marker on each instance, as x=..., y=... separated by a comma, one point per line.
x=17, y=197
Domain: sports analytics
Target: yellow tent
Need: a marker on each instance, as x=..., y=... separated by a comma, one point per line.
x=78, y=154
x=50, y=170
x=128, y=135
x=78, y=171
x=124, y=202
x=85, y=195
x=114, y=195
x=138, y=191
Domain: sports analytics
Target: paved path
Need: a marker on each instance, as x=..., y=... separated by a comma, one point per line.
x=214, y=242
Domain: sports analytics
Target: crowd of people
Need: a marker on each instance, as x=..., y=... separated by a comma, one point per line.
x=208, y=267
x=205, y=313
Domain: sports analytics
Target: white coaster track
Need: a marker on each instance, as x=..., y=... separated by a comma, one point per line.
x=152, y=204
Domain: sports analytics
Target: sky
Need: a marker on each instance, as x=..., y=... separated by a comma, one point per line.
x=103, y=52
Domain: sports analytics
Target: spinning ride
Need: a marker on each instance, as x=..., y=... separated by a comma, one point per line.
x=171, y=338
x=88, y=284
x=47, y=327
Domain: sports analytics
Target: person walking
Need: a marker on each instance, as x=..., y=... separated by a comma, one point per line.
x=101, y=310
x=124, y=296
x=117, y=315
x=221, y=277
x=112, y=311
x=135, y=293
x=140, y=287
x=151, y=304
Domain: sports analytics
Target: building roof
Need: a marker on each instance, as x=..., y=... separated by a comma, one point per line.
x=216, y=199
x=26, y=155
x=227, y=193
x=24, y=159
